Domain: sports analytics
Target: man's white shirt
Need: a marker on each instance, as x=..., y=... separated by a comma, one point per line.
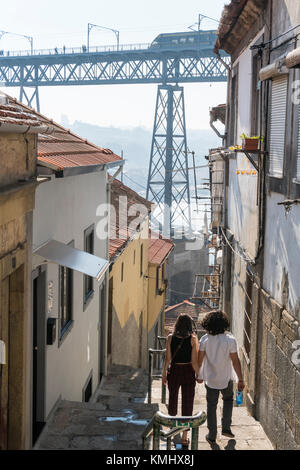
x=217, y=369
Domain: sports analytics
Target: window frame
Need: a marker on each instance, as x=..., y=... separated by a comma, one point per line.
x=88, y=295
x=157, y=280
x=295, y=182
x=63, y=330
x=141, y=259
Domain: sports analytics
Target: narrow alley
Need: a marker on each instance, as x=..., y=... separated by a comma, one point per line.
x=120, y=413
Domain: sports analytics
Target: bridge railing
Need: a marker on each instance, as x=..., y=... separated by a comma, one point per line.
x=75, y=50
x=176, y=425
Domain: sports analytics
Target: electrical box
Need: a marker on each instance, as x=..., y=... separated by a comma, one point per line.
x=51, y=331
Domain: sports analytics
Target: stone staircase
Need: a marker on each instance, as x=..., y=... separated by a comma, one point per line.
x=119, y=413
x=115, y=420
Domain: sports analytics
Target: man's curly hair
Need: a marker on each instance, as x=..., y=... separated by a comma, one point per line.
x=215, y=323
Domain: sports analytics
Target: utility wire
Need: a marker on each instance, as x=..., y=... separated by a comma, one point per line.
x=249, y=260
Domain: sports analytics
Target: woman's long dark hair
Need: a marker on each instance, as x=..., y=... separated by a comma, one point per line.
x=184, y=326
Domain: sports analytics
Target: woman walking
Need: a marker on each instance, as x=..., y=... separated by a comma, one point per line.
x=182, y=354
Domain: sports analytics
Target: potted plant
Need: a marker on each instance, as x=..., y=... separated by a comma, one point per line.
x=251, y=143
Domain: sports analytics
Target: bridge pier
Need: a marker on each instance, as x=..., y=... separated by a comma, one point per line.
x=168, y=179
x=30, y=97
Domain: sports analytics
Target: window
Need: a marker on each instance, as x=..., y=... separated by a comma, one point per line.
x=89, y=248
x=88, y=388
x=278, y=125
x=122, y=272
x=248, y=313
x=233, y=107
x=157, y=279
x=256, y=105
x=141, y=260
x=65, y=298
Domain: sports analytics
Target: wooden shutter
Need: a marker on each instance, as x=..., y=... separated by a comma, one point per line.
x=277, y=125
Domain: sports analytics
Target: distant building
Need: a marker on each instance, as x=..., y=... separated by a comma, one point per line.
x=197, y=312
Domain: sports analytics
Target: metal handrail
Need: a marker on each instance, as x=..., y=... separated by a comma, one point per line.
x=152, y=376
x=177, y=425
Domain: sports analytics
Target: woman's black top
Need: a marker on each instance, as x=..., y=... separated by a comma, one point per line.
x=184, y=354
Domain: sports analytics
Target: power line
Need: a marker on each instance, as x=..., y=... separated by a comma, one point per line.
x=249, y=260
x=138, y=184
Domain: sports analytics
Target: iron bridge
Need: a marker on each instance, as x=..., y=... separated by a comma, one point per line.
x=161, y=63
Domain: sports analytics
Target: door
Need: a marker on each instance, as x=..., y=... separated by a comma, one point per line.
x=4, y=336
x=39, y=351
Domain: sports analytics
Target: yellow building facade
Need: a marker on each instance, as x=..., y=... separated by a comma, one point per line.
x=136, y=306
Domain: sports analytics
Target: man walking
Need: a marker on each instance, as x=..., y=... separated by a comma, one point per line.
x=219, y=366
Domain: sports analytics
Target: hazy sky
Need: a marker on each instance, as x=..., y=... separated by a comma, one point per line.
x=55, y=23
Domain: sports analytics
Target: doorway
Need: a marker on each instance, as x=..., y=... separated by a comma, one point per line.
x=12, y=373
x=39, y=351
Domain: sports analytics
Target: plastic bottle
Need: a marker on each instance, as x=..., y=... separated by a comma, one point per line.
x=239, y=397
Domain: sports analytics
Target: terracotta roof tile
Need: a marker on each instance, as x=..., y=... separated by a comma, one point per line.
x=159, y=248
x=197, y=312
x=121, y=229
x=62, y=148
x=14, y=114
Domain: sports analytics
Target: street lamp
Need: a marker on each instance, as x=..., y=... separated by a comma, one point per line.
x=29, y=38
x=91, y=26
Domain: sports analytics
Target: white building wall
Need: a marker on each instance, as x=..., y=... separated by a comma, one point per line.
x=238, y=298
x=282, y=254
x=64, y=209
x=242, y=194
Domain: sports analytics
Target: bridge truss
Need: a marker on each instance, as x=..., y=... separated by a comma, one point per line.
x=130, y=66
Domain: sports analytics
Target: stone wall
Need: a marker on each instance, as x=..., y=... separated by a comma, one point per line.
x=278, y=397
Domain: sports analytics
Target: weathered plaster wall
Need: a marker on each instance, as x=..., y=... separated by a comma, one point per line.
x=64, y=209
x=282, y=256
x=242, y=192
x=129, y=323
x=14, y=168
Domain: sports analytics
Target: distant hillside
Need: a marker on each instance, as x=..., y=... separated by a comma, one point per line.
x=136, y=145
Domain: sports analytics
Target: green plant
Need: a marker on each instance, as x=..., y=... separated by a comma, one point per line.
x=253, y=137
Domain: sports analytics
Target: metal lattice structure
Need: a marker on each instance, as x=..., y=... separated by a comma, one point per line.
x=168, y=179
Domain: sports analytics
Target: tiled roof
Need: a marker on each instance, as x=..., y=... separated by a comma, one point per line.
x=13, y=114
x=61, y=148
x=159, y=248
x=197, y=312
x=120, y=227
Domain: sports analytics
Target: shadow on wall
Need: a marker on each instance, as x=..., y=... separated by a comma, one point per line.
x=129, y=343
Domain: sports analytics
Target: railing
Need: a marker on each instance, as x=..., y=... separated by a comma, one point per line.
x=76, y=50
x=152, y=376
x=176, y=425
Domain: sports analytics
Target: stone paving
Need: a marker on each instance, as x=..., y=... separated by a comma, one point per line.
x=116, y=418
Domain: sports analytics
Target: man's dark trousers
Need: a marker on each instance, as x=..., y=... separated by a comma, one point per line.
x=212, y=397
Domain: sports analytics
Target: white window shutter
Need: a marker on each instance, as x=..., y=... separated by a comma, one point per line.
x=278, y=125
